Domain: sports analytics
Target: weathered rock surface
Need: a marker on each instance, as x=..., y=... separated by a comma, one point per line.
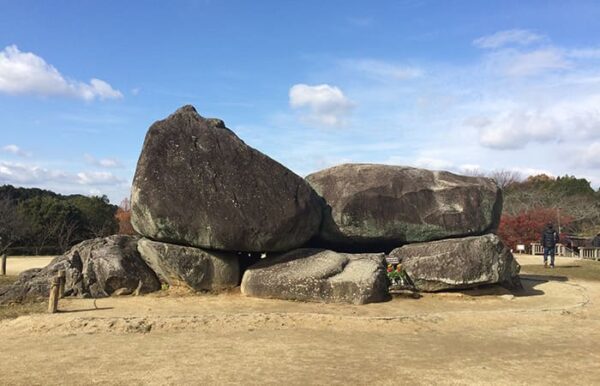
x=380, y=207
x=190, y=267
x=198, y=184
x=96, y=268
x=319, y=275
x=459, y=263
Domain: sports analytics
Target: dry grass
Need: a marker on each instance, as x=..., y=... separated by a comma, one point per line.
x=15, y=310
x=7, y=280
x=576, y=270
x=571, y=269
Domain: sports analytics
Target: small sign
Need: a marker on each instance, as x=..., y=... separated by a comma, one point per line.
x=392, y=260
x=521, y=247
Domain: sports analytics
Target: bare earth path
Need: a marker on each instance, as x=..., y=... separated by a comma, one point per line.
x=549, y=333
x=18, y=264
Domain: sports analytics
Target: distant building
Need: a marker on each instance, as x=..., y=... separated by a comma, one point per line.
x=575, y=241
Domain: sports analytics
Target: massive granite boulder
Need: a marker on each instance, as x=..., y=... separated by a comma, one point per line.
x=459, y=263
x=96, y=268
x=320, y=276
x=198, y=184
x=380, y=207
x=190, y=267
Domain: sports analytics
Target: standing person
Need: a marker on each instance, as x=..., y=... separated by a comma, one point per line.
x=549, y=239
x=596, y=241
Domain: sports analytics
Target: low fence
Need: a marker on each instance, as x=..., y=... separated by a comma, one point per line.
x=589, y=253
x=562, y=250
x=537, y=249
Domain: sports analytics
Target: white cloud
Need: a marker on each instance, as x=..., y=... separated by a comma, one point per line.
x=383, y=70
x=27, y=73
x=469, y=167
x=446, y=164
x=589, y=156
x=531, y=108
x=109, y=162
x=502, y=38
x=478, y=122
x=433, y=163
x=32, y=175
x=16, y=150
x=325, y=161
x=534, y=62
x=98, y=178
x=561, y=120
x=516, y=129
x=324, y=104
x=584, y=53
x=516, y=63
x=527, y=171
x=18, y=173
x=102, y=162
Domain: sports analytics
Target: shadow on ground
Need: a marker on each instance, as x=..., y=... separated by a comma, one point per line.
x=85, y=310
x=530, y=283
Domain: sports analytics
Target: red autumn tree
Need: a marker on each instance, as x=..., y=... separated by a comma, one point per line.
x=123, y=216
x=526, y=227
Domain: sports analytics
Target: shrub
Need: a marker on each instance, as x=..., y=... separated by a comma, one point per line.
x=526, y=227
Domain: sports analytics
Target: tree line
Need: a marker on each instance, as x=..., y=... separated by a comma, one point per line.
x=568, y=202
x=37, y=221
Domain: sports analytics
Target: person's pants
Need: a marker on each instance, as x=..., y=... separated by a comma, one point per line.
x=549, y=251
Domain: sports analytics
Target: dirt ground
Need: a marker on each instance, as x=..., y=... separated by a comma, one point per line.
x=18, y=264
x=547, y=333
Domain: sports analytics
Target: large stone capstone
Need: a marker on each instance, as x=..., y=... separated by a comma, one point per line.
x=96, y=268
x=459, y=263
x=198, y=184
x=319, y=275
x=190, y=267
x=380, y=207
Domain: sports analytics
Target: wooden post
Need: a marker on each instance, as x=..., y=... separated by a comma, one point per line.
x=138, y=290
x=3, y=269
x=61, y=286
x=53, y=299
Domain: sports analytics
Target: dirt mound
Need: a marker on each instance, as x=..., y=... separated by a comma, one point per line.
x=547, y=334
x=178, y=310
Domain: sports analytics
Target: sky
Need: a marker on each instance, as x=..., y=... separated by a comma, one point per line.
x=445, y=85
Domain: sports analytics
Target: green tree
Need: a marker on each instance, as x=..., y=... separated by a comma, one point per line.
x=568, y=196
x=98, y=215
x=58, y=221
x=12, y=225
x=51, y=221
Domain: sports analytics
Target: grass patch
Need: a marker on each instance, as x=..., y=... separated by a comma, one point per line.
x=7, y=280
x=12, y=311
x=15, y=310
x=575, y=269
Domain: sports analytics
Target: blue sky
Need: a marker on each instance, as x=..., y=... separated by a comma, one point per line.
x=454, y=85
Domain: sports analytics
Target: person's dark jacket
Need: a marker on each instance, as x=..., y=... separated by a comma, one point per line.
x=549, y=238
